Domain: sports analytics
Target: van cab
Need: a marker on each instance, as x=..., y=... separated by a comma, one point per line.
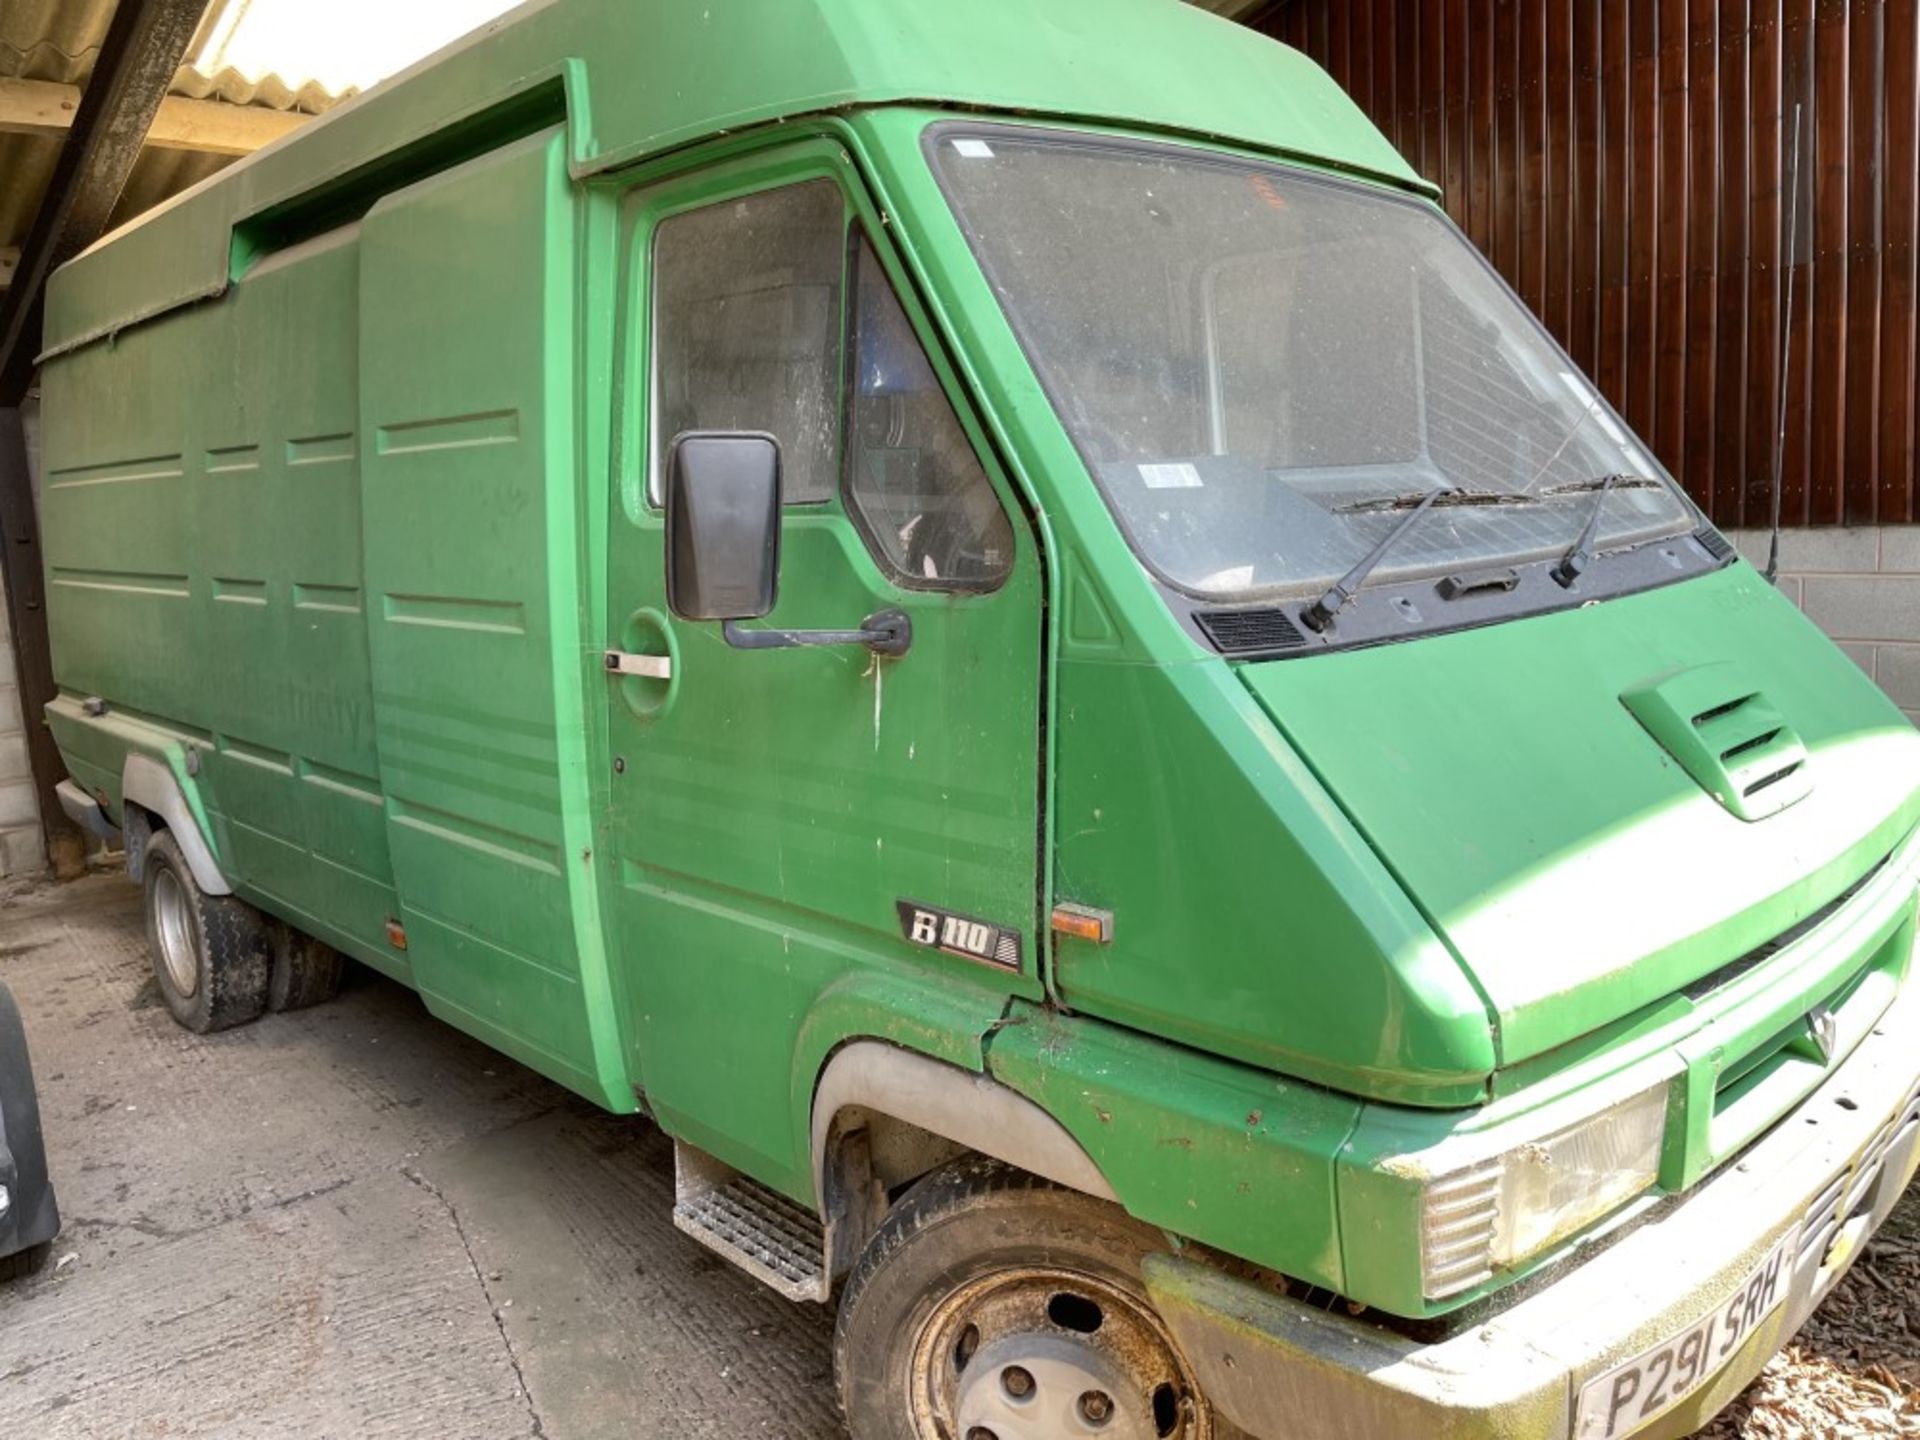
x=985, y=612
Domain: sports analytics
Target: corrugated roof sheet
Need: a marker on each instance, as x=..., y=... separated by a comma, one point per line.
x=59, y=40
x=276, y=46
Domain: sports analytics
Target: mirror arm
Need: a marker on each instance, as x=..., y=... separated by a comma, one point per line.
x=886, y=632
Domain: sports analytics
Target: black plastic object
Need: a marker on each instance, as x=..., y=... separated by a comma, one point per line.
x=1452, y=587
x=885, y=632
x=1319, y=615
x=723, y=544
x=1579, y=555
x=31, y=1218
x=723, y=524
x=1713, y=542
x=1264, y=630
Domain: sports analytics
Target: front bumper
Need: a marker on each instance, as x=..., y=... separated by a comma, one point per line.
x=1831, y=1171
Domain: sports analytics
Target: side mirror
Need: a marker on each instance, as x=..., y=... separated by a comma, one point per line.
x=723, y=524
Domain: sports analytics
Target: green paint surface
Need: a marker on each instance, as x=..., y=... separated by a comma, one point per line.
x=345, y=501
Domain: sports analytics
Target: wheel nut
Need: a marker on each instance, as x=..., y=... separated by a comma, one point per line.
x=1096, y=1407
x=1017, y=1382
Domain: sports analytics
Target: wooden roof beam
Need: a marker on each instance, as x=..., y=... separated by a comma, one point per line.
x=214, y=127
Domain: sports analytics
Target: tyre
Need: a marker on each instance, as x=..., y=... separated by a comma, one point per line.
x=992, y=1305
x=23, y=1263
x=30, y=1217
x=306, y=971
x=212, y=954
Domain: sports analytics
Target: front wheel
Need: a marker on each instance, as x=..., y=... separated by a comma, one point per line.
x=994, y=1306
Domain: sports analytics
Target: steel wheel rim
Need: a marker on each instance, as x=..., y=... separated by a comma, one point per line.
x=1123, y=1377
x=173, y=932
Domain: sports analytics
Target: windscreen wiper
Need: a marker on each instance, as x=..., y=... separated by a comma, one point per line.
x=1448, y=495
x=1319, y=615
x=1576, y=560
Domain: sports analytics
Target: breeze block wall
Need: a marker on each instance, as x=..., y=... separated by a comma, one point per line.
x=21, y=850
x=1860, y=584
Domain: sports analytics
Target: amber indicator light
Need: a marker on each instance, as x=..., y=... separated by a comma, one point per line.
x=1083, y=922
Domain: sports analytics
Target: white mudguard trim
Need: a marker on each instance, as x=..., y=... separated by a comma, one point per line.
x=146, y=782
x=955, y=1104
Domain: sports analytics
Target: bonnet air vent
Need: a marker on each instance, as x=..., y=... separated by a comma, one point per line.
x=1265, y=631
x=1713, y=542
x=1736, y=746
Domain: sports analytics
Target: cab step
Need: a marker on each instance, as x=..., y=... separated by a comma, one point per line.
x=776, y=1240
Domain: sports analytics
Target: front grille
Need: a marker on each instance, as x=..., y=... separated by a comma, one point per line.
x=1717, y=979
x=1834, y=1206
x=1823, y=1220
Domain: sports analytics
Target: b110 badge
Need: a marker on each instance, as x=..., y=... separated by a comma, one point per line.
x=932, y=928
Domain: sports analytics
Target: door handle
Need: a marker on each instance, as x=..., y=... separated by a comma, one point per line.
x=885, y=632
x=651, y=667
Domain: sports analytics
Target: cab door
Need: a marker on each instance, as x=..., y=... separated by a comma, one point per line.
x=810, y=840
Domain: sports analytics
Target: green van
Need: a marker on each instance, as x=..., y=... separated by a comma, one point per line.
x=985, y=612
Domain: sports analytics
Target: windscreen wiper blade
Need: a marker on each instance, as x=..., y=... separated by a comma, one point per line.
x=1447, y=495
x=1576, y=560
x=1606, y=482
x=1319, y=615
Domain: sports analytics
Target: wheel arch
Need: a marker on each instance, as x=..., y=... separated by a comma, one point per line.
x=150, y=784
x=871, y=1078
x=915, y=1113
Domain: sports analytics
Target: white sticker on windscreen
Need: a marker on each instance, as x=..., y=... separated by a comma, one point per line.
x=973, y=149
x=1170, y=477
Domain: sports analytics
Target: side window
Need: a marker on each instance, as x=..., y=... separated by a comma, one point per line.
x=914, y=485
x=746, y=328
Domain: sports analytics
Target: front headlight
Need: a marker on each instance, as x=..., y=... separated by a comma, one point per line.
x=1493, y=1213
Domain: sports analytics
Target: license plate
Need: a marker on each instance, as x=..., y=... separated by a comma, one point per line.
x=1646, y=1387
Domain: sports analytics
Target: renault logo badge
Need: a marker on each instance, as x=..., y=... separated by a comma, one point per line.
x=1824, y=1026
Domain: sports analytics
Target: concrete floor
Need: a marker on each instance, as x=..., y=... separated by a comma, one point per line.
x=354, y=1221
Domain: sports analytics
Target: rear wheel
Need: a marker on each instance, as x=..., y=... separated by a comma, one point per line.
x=306, y=971
x=994, y=1306
x=212, y=954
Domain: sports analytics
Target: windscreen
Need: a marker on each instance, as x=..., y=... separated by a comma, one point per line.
x=1265, y=369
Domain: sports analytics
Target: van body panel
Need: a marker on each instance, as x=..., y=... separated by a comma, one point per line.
x=473, y=608
x=637, y=81
x=1250, y=918
x=1229, y=1155
x=201, y=514
x=773, y=811
x=1572, y=863
x=1175, y=802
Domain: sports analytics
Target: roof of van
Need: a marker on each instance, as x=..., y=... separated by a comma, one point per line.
x=642, y=77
